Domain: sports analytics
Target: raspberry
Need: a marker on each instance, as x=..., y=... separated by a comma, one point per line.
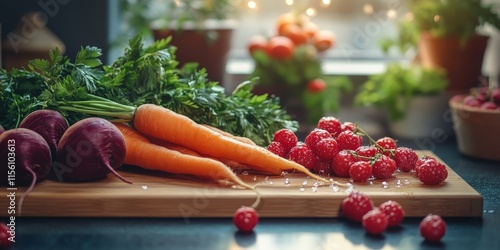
x=286, y=137
x=330, y=124
x=383, y=167
x=323, y=167
x=348, y=126
x=277, y=148
x=349, y=140
x=327, y=148
x=366, y=153
x=342, y=162
x=432, y=228
x=406, y=159
x=393, y=211
x=303, y=155
x=356, y=205
x=375, y=221
x=432, y=172
x=421, y=161
x=386, y=145
x=315, y=136
x=245, y=219
x=360, y=171
x=4, y=236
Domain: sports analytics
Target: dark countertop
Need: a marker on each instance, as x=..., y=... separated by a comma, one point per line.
x=277, y=233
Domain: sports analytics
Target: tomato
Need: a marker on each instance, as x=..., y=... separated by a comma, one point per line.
x=316, y=85
x=280, y=47
x=257, y=42
x=310, y=29
x=323, y=40
x=295, y=33
x=283, y=20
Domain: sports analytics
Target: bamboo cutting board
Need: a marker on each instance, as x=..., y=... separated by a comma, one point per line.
x=155, y=194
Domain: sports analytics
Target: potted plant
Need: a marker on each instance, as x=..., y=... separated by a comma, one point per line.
x=201, y=30
x=412, y=97
x=445, y=34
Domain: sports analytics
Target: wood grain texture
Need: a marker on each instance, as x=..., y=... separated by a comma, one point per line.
x=155, y=194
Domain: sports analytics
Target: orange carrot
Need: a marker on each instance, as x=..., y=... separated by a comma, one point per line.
x=239, y=138
x=142, y=153
x=164, y=124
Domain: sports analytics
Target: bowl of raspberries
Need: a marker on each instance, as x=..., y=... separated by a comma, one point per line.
x=476, y=122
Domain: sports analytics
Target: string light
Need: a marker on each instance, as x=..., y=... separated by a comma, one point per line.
x=368, y=9
x=252, y=5
x=289, y=2
x=325, y=3
x=392, y=14
x=436, y=18
x=311, y=12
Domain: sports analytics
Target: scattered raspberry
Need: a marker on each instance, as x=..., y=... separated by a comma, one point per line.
x=4, y=236
x=327, y=148
x=348, y=126
x=330, y=124
x=323, y=167
x=356, y=205
x=349, y=140
x=303, y=155
x=277, y=148
x=406, y=159
x=383, y=167
x=366, y=153
x=393, y=211
x=432, y=172
x=360, y=171
x=386, y=145
x=432, y=228
x=315, y=136
x=375, y=221
x=245, y=219
x=342, y=162
x=421, y=161
x=286, y=137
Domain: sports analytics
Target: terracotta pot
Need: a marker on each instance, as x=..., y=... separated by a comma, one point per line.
x=193, y=46
x=477, y=130
x=462, y=63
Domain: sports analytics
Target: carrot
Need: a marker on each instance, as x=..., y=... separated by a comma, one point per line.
x=167, y=125
x=144, y=154
x=239, y=138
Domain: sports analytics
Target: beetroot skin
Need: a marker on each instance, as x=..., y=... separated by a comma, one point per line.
x=89, y=150
x=23, y=152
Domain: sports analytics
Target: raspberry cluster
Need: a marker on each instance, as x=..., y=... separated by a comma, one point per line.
x=334, y=148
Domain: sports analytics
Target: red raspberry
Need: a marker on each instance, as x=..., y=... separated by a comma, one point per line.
x=432, y=228
x=342, y=162
x=315, y=136
x=4, y=236
x=323, y=167
x=348, y=126
x=432, y=172
x=286, y=137
x=406, y=159
x=360, y=171
x=386, y=145
x=383, y=167
x=393, y=211
x=327, y=148
x=421, y=161
x=356, y=205
x=349, y=140
x=277, y=148
x=366, y=153
x=375, y=221
x=330, y=124
x=245, y=219
x=303, y=155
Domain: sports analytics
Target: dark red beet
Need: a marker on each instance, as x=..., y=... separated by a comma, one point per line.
x=25, y=159
x=89, y=150
x=50, y=124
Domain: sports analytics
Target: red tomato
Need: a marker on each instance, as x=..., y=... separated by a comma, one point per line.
x=257, y=42
x=323, y=40
x=280, y=47
x=295, y=33
x=316, y=85
x=310, y=29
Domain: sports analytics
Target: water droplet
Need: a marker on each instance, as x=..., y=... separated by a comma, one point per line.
x=314, y=189
x=144, y=187
x=398, y=183
x=287, y=182
x=284, y=173
x=491, y=211
x=245, y=173
x=234, y=187
x=304, y=183
x=385, y=184
x=255, y=178
x=335, y=188
x=301, y=189
x=406, y=182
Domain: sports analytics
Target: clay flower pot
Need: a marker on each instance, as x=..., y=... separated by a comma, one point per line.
x=477, y=130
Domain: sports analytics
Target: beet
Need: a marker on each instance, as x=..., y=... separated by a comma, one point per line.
x=25, y=159
x=89, y=150
x=50, y=124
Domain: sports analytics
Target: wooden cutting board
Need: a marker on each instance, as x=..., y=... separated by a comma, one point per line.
x=155, y=194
